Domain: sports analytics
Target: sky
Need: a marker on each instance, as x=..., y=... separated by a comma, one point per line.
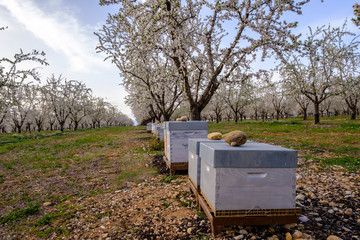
x=64, y=29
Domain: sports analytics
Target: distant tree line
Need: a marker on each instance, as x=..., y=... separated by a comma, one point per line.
x=195, y=58
x=28, y=105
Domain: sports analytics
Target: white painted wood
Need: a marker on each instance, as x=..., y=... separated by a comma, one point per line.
x=153, y=128
x=194, y=168
x=248, y=188
x=178, y=144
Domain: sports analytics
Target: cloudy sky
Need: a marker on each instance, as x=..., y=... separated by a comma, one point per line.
x=64, y=30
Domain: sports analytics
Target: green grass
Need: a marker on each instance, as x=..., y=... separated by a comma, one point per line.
x=48, y=218
x=127, y=175
x=156, y=145
x=351, y=163
x=17, y=214
x=169, y=179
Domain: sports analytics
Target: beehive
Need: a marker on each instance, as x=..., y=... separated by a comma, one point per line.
x=153, y=130
x=177, y=135
x=160, y=133
x=149, y=127
x=252, y=176
x=194, y=158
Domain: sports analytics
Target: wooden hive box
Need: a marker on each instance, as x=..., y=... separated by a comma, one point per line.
x=153, y=130
x=177, y=135
x=195, y=160
x=149, y=127
x=160, y=133
x=254, y=176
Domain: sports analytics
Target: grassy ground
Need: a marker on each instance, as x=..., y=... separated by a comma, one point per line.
x=60, y=169
x=335, y=141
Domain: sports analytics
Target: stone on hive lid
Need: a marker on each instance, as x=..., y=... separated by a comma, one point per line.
x=215, y=136
x=182, y=119
x=235, y=138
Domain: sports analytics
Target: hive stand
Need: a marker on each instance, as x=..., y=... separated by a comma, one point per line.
x=249, y=218
x=176, y=166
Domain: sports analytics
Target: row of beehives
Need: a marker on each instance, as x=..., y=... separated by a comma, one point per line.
x=251, y=176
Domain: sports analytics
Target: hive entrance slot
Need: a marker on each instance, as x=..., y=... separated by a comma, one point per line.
x=257, y=175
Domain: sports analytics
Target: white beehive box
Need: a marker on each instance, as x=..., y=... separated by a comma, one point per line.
x=160, y=133
x=153, y=129
x=194, y=158
x=149, y=127
x=251, y=176
x=177, y=135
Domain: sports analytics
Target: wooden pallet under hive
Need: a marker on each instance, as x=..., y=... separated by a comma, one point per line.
x=243, y=217
x=175, y=166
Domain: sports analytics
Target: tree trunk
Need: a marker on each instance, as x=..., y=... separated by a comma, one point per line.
x=316, y=112
x=76, y=125
x=166, y=117
x=305, y=114
x=353, y=113
x=28, y=126
x=195, y=113
x=352, y=107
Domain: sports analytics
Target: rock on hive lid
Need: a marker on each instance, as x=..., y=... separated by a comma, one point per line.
x=249, y=155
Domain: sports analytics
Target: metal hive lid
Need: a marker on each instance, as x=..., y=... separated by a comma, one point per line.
x=249, y=155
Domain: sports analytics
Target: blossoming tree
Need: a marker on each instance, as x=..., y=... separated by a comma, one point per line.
x=193, y=35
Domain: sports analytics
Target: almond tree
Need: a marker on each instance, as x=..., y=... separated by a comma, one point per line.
x=110, y=115
x=303, y=103
x=122, y=120
x=237, y=98
x=77, y=98
x=349, y=75
x=97, y=110
x=217, y=105
x=312, y=69
x=156, y=76
x=147, y=71
x=13, y=74
x=22, y=100
x=278, y=98
x=142, y=106
x=193, y=36
x=40, y=107
x=4, y=106
x=356, y=20
x=57, y=96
